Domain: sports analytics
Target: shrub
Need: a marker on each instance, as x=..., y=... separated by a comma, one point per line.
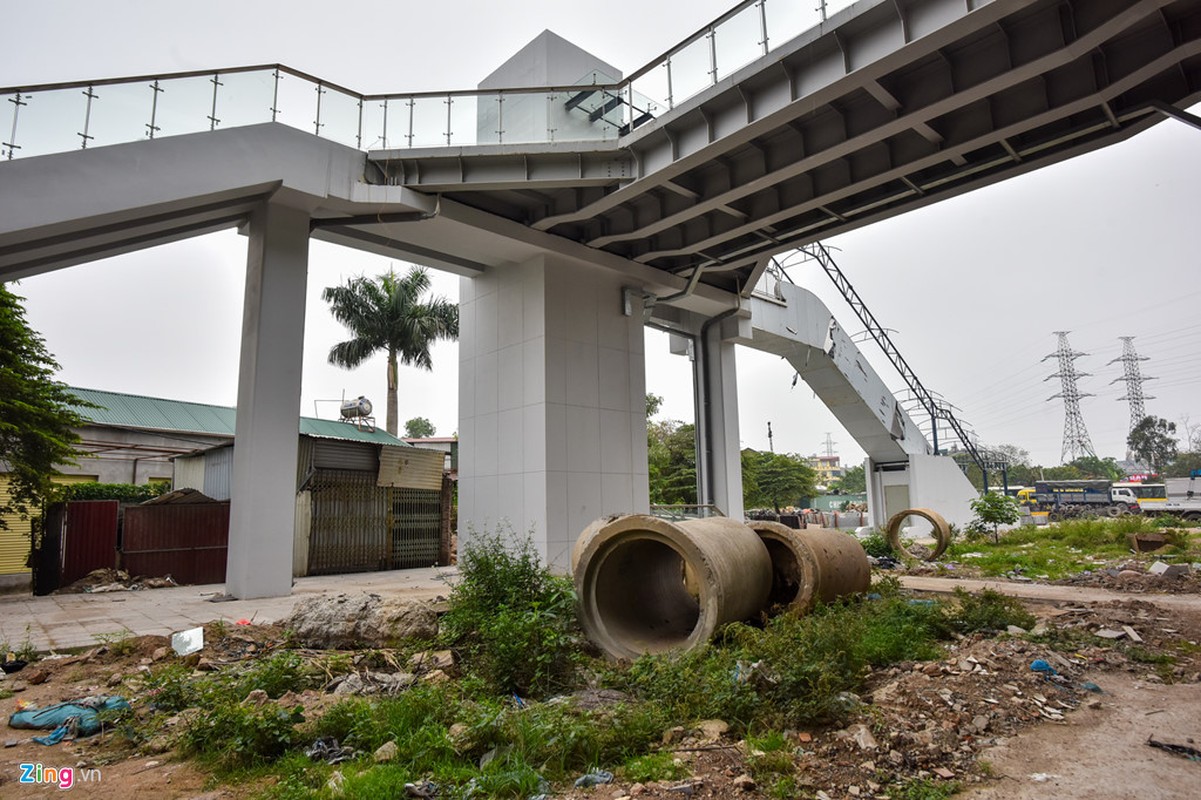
x=876, y=544
x=987, y=611
x=236, y=735
x=512, y=620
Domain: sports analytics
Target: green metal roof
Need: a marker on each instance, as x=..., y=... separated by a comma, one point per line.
x=158, y=414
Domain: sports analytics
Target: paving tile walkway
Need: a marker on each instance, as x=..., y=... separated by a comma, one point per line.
x=59, y=622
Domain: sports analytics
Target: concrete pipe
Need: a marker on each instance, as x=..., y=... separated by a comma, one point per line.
x=920, y=552
x=812, y=564
x=647, y=585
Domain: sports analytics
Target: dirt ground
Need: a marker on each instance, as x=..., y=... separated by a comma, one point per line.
x=980, y=718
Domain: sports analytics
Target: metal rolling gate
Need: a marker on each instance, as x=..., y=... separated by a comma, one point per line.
x=358, y=526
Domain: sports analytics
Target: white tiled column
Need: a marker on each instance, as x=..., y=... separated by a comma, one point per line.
x=263, y=507
x=552, y=403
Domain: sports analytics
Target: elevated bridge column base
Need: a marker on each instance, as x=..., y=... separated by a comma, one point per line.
x=263, y=502
x=922, y=481
x=552, y=404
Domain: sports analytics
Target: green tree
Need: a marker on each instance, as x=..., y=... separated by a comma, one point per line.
x=775, y=479
x=995, y=509
x=1152, y=442
x=387, y=314
x=654, y=402
x=671, y=462
x=853, y=481
x=419, y=428
x=37, y=413
x=1100, y=468
x=1183, y=465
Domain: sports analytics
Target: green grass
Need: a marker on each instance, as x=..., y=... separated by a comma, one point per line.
x=1067, y=548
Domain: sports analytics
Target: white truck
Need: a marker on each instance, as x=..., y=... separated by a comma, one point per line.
x=1183, y=498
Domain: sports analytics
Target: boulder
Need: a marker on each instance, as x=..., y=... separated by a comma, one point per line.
x=365, y=620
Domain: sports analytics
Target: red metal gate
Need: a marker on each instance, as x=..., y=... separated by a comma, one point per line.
x=89, y=539
x=189, y=542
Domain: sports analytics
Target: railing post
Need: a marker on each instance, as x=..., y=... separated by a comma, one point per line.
x=410, y=134
x=763, y=25
x=275, y=96
x=500, y=117
x=213, y=120
x=385, y=131
x=87, y=117
x=449, y=102
x=712, y=36
x=671, y=103
x=155, y=89
x=317, y=122
x=11, y=144
x=358, y=137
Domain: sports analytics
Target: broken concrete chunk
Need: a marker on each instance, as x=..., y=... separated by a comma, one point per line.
x=1107, y=633
x=187, y=642
x=365, y=620
x=1168, y=570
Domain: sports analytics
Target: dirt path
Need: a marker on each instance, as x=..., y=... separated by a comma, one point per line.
x=1102, y=753
x=1043, y=591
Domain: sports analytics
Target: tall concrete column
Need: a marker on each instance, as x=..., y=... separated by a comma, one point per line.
x=719, y=456
x=552, y=404
x=263, y=505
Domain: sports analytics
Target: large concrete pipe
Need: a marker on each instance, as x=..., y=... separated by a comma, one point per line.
x=914, y=549
x=647, y=585
x=812, y=564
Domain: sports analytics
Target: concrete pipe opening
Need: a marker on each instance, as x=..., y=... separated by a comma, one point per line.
x=647, y=585
x=812, y=564
x=922, y=543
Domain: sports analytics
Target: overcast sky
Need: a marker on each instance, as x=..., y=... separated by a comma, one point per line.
x=1103, y=246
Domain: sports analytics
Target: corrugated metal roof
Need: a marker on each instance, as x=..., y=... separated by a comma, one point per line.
x=159, y=414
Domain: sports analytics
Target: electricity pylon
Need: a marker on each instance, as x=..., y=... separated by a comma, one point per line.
x=1076, y=442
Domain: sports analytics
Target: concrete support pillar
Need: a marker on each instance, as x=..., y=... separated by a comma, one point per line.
x=719, y=457
x=552, y=404
x=263, y=505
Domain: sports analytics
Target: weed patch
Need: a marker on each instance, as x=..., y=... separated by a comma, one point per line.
x=987, y=611
x=512, y=620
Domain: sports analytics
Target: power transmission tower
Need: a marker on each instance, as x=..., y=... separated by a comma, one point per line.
x=830, y=444
x=1134, y=378
x=1076, y=442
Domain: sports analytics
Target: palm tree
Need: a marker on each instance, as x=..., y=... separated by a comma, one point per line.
x=386, y=313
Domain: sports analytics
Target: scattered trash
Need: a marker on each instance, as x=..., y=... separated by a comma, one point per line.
x=187, y=642
x=923, y=603
x=242, y=622
x=1089, y=686
x=425, y=789
x=591, y=779
x=1191, y=753
x=13, y=664
x=328, y=750
x=1039, y=665
x=1041, y=777
x=67, y=720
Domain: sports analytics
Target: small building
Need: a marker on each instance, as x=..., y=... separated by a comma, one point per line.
x=397, y=519
x=828, y=468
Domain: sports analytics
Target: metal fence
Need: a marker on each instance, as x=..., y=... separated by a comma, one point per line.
x=359, y=527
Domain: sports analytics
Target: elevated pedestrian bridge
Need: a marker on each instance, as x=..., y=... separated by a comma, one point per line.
x=660, y=196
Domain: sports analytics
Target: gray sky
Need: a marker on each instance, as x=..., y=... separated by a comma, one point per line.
x=1103, y=246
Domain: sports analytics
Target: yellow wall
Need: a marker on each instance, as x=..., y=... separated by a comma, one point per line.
x=14, y=540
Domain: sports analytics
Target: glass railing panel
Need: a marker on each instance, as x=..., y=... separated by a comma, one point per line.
x=184, y=106
x=739, y=40
x=245, y=98
x=788, y=19
x=296, y=103
x=400, y=122
x=652, y=89
x=120, y=113
x=339, y=117
x=50, y=122
x=463, y=119
x=690, y=70
x=834, y=6
x=490, y=122
x=430, y=121
x=376, y=136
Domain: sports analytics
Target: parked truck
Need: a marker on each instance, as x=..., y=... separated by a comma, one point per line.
x=1064, y=499
x=1183, y=499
